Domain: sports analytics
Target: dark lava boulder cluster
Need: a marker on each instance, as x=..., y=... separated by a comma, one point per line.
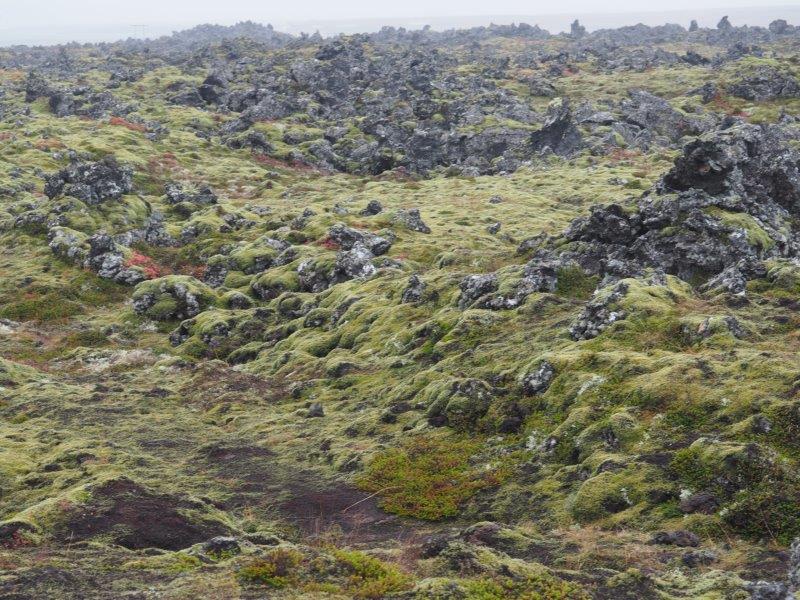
x=91, y=182
x=380, y=106
x=74, y=101
x=415, y=101
x=766, y=83
x=729, y=202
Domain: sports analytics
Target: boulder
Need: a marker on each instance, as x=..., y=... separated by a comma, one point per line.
x=679, y=537
x=373, y=208
x=347, y=238
x=36, y=86
x=559, y=134
x=91, y=182
x=765, y=83
x=412, y=220
x=599, y=313
x=474, y=287
x=414, y=290
x=108, y=260
x=354, y=263
x=174, y=297
x=176, y=193
x=537, y=381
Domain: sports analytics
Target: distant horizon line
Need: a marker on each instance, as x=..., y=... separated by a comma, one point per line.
x=558, y=23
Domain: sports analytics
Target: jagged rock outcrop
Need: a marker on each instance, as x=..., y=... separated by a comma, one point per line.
x=79, y=100
x=98, y=253
x=474, y=287
x=599, y=313
x=373, y=208
x=317, y=275
x=177, y=194
x=537, y=382
x=654, y=116
x=354, y=263
x=92, y=182
x=539, y=275
x=347, y=237
x=559, y=134
x=729, y=201
x=766, y=83
x=411, y=219
x=414, y=290
x=781, y=27
x=107, y=260
x=577, y=30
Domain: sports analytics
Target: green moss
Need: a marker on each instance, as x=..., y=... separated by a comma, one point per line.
x=719, y=466
x=427, y=478
x=759, y=494
x=272, y=284
x=172, y=297
x=47, y=307
x=756, y=236
x=573, y=282
x=539, y=587
x=459, y=403
x=383, y=369
x=609, y=493
x=368, y=577
x=632, y=584
x=768, y=508
x=687, y=415
x=785, y=419
x=277, y=569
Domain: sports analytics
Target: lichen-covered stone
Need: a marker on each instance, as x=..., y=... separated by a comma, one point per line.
x=174, y=297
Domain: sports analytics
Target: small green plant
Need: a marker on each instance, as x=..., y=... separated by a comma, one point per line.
x=574, y=283
x=34, y=307
x=427, y=478
x=370, y=578
x=277, y=569
x=89, y=338
x=537, y=587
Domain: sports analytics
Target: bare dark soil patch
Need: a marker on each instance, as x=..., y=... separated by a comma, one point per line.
x=137, y=518
x=313, y=505
x=338, y=506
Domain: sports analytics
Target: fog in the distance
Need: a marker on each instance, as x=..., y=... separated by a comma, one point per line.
x=50, y=22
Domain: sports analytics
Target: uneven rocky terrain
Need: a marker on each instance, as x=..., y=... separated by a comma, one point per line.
x=476, y=314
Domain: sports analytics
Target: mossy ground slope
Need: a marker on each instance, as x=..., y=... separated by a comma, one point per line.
x=340, y=434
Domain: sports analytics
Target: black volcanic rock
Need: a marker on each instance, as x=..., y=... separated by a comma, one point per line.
x=766, y=84
x=681, y=228
x=93, y=183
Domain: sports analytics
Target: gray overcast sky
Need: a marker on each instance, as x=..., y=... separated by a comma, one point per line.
x=56, y=21
x=28, y=13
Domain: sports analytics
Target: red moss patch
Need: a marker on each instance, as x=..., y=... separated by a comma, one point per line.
x=150, y=268
x=120, y=122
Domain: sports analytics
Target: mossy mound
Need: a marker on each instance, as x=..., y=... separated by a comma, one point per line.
x=172, y=297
